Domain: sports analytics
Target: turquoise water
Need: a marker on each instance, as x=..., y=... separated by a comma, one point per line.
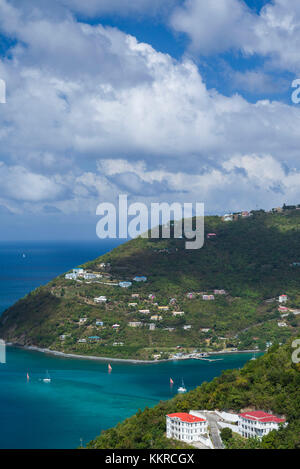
x=42, y=262
x=83, y=398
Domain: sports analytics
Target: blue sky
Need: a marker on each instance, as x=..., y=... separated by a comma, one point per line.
x=163, y=100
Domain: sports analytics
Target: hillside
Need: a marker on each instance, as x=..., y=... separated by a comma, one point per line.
x=271, y=383
x=250, y=258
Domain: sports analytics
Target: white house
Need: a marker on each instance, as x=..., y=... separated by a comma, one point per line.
x=258, y=423
x=71, y=276
x=178, y=313
x=187, y=328
x=186, y=427
x=283, y=299
x=125, y=284
x=282, y=324
x=135, y=324
x=100, y=299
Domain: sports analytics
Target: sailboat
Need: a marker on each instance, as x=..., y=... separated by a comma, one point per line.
x=253, y=357
x=109, y=368
x=27, y=376
x=182, y=389
x=47, y=379
x=171, y=382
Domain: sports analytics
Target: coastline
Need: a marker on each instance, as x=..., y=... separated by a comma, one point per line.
x=33, y=348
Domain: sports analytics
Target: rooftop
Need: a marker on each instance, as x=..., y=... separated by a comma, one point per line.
x=261, y=416
x=184, y=417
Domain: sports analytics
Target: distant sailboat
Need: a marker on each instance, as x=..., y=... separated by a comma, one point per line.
x=182, y=389
x=47, y=379
x=27, y=376
x=171, y=382
x=254, y=357
x=109, y=368
x=23, y=255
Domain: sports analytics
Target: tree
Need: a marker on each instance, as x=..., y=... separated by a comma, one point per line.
x=226, y=434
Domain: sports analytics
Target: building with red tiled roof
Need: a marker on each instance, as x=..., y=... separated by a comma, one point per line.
x=258, y=423
x=186, y=427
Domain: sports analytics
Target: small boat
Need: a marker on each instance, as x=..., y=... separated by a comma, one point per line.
x=109, y=368
x=47, y=379
x=182, y=389
x=171, y=382
x=28, y=376
x=23, y=255
x=254, y=357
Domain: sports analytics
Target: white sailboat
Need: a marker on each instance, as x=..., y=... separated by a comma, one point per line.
x=182, y=389
x=47, y=379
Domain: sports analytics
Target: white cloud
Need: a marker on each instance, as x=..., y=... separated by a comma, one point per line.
x=101, y=113
x=220, y=25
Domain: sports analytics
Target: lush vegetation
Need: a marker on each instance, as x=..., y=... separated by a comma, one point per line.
x=270, y=383
x=250, y=258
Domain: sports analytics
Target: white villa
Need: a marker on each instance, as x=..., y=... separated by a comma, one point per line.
x=283, y=299
x=100, y=299
x=258, y=424
x=178, y=313
x=186, y=427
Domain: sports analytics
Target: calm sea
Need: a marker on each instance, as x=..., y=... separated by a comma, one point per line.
x=82, y=398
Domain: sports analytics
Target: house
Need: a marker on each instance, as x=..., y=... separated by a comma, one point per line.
x=118, y=344
x=211, y=236
x=125, y=284
x=99, y=323
x=78, y=272
x=205, y=330
x=140, y=279
x=283, y=309
x=100, y=299
x=82, y=320
x=155, y=317
x=208, y=297
x=81, y=341
x=88, y=276
x=102, y=265
x=245, y=214
x=71, y=276
x=152, y=327
x=144, y=311
x=219, y=292
x=135, y=324
x=132, y=305
x=178, y=313
x=94, y=338
x=163, y=308
x=282, y=324
x=228, y=217
x=258, y=424
x=190, y=296
x=172, y=301
x=186, y=427
x=283, y=299
x=187, y=328
x=135, y=295
x=116, y=326
x=63, y=337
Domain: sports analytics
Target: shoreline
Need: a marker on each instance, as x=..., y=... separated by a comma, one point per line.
x=33, y=348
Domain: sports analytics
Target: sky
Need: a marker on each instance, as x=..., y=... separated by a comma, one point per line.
x=162, y=100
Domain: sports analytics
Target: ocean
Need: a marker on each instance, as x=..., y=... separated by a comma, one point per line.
x=82, y=398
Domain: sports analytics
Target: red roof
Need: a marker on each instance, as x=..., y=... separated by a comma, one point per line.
x=186, y=417
x=261, y=416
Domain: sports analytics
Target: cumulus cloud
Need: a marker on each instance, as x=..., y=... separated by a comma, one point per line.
x=101, y=113
x=220, y=25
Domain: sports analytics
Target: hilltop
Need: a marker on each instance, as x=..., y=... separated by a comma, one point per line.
x=271, y=383
x=251, y=261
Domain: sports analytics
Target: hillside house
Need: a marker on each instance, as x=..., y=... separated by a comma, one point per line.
x=283, y=299
x=125, y=284
x=100, y=299
x=156, y=317
x=144, y=311
x=178, y=313
x=228, y=217
x=135, y=324
x=82, y=341
x=208, y=297
x=94, y=338
x=82, y=320
x=187, y=328
x=185, y=427
x=282, y=324
x=152, y=327
x=135, y=295
x=99, y=323
x=140, y=279
x=219, y=292
x=116, y=326
x=258, y=424
x=163, y=308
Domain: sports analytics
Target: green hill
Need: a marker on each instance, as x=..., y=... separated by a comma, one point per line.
x=250, y=258
x=270, y=383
